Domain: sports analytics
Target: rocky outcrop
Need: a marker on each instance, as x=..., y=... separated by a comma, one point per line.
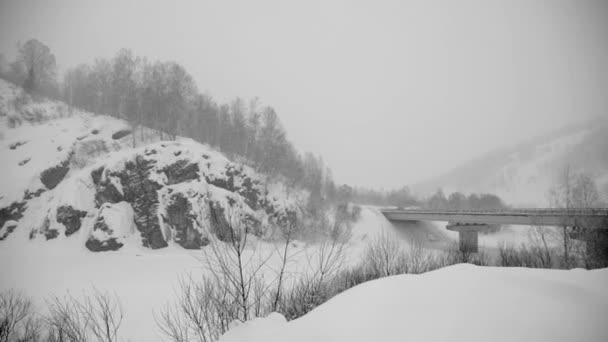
x=141, y=191
x=7, y=228
x=235, y=179
x=177, y=195
x=95, y=245
x=106, y=187
x=181, y=171
x=112, y=226
x=182, y=221
x=70, y=218
x=52, y=176
x=28, y=195
x=121, y=134
x=228, y=221
x=13, y=213
x=46, y=230
x=138, y=188
x=14, y=145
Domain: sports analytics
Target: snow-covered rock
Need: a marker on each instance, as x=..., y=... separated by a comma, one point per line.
x=66, y=172
x=113, y=226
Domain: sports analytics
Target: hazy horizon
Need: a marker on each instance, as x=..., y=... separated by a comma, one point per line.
x=388, y=93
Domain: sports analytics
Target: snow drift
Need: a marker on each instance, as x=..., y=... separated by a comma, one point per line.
x=457, y=303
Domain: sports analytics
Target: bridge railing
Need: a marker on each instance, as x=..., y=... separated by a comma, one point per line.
x=510, y=212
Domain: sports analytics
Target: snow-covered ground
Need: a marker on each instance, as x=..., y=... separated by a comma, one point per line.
x=435, y=306
x=142, y=278
x=458, y=303
x=146, y=279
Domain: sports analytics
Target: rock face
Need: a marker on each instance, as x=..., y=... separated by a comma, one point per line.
x=168, y=192
x=83, y=174
x=236, y=179
x=51, y=177
x=181, y=194
x=121, y=134
x=46, y=230
x=141, y=191
x=181, y=171
x=7, y=228
x=183, y=221
x=113, y=225
x=10, y=214
x=17, y=144
x=70, y=218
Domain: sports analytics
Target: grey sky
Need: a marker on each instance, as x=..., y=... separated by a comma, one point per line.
x=388, y=92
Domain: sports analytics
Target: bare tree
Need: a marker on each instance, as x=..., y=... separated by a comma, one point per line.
x=17, y=320
x=571, y=192
x=39, y=65
x=97, y=317
x=235, y=264
x=288, y=229
x=561, y=196
x=540, y=237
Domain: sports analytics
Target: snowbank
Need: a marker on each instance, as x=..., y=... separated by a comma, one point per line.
x=457, y=303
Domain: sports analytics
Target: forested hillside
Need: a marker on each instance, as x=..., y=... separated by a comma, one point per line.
x=162, y=95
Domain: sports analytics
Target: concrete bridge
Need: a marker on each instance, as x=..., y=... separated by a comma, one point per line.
x=468, y=223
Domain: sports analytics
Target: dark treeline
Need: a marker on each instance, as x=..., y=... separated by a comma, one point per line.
x=165, y=97
x=399, y=197
x=404, y=198
x=460, y=201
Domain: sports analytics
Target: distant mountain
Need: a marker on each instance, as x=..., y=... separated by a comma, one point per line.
x=523, y=174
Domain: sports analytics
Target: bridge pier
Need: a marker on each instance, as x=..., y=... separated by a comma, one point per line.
x=596, y=245
x=468, y=234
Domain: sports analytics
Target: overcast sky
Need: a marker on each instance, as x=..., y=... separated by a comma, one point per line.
x=388, y=92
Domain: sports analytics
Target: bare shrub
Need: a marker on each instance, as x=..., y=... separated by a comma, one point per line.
x=305, y=295
x=200, y=314
x=351, y=277
x=417, y=258
x=235, y=290
x=454, y=255
x=97, y=317
x=525, y=256
x=540, y=237
x=288, y=231
x=314, y=287
x=235, y=265
x=17, y=319
x=33, y=115
x=385, y=256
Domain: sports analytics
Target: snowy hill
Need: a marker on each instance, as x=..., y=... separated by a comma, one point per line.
x=456, y=303
x=76, y=176
x=523, y=174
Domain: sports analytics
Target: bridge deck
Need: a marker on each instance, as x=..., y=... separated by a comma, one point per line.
x=580, y=217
